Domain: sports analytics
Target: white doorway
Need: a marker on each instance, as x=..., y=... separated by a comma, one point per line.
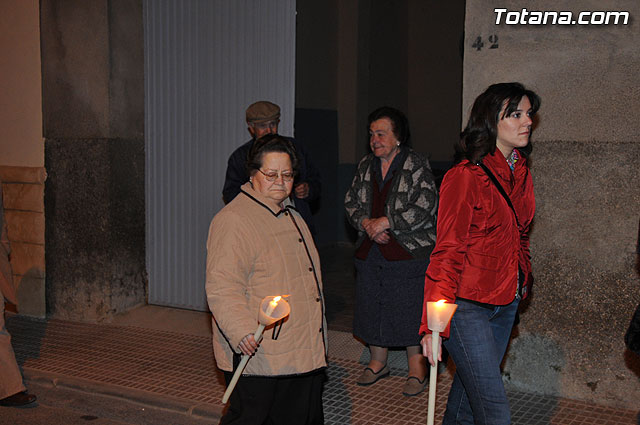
x=205, y=62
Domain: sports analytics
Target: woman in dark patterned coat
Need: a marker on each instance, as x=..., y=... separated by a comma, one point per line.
x=392, y=202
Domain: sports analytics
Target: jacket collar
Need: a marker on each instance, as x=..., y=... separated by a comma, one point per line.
x=248, y=190
x=498, y=164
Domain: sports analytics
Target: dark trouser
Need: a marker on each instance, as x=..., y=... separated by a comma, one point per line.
x=293, y=400
x=477, y=343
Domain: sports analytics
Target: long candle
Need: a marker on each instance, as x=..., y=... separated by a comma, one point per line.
x=433, y=375
x=243, y=362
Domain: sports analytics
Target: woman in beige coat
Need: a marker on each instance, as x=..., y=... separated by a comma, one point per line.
x=259, y=246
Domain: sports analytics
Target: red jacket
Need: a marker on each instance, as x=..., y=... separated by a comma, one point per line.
x=479, y=245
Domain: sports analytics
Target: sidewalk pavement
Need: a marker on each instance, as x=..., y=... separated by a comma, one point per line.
x=162, y=357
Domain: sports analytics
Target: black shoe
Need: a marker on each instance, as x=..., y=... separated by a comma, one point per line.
x=21, y=399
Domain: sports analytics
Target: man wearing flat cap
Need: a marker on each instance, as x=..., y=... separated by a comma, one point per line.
x=263, y=118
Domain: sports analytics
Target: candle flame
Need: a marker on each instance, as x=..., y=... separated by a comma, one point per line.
x=439, y=303
x=276, y=299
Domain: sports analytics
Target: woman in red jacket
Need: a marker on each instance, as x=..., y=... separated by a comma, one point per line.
x=481, y=260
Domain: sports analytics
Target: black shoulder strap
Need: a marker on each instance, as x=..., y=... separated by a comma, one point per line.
x=500, y=189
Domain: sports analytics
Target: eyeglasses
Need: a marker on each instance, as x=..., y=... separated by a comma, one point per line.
x=272, y=176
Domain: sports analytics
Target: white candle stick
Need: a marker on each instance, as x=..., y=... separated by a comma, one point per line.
x=438, y=316
x=265, y=320
x=433, y=375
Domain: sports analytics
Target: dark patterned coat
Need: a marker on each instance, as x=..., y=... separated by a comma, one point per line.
x=411, y=205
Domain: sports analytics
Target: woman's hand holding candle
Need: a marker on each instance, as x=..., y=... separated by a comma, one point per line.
x=248, y=345
x=427, y=351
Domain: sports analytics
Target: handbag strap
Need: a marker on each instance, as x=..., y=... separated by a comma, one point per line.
x=500, y=189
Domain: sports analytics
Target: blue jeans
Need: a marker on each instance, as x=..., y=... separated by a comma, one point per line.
x=477, y=343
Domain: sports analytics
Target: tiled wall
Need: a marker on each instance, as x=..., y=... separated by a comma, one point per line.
x=23, y=195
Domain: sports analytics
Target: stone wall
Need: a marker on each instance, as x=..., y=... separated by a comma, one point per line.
x=585, y=166
x=95, y=227
x=570, y=340
x=23, y=199
x=93, y=113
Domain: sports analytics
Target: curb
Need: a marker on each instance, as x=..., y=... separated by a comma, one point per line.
x=146, y=398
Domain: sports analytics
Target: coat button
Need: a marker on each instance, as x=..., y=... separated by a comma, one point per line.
x=318, y=299
x=310, y=269
x=299, y=239
x=286, y=213
x=320, y=330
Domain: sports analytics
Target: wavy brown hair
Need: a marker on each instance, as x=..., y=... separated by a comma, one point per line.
x=479, y=136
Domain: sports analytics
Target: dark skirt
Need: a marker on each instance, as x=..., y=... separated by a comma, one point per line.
x=389, y=298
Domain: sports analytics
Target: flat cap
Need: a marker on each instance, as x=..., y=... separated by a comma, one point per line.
x=262, y=111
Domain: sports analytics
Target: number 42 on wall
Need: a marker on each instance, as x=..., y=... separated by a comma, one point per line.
x=478, y=44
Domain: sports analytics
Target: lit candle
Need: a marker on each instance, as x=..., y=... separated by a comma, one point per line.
x=272, y=305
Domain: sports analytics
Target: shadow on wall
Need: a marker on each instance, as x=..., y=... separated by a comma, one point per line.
x=534, y=358
x=632, y=361
x=31, y=293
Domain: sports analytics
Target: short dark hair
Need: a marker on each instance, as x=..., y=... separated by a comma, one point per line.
x=270, y=143
x=479, y=136
x=399, y=122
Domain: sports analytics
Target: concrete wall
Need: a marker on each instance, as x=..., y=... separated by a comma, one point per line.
x=21, y=142
x=93, y=97
x=585, y=167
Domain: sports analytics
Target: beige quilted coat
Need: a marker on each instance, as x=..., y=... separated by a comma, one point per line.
x=255, y=251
